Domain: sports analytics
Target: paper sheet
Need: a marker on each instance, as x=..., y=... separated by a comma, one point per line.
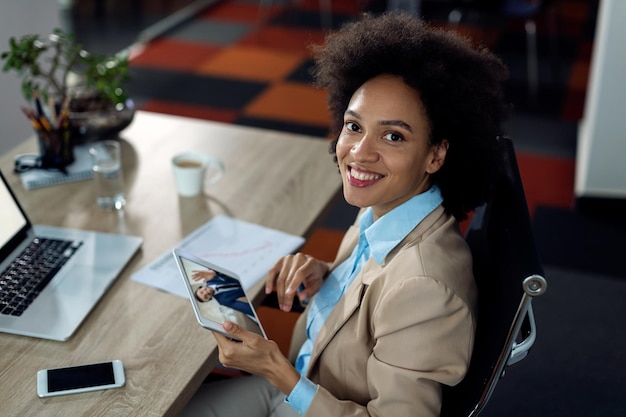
x=246, y=249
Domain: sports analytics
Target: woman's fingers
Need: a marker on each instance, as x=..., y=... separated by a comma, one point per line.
x=286, y=276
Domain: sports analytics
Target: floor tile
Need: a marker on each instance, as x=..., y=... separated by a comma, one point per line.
x=283, y=126
x=212, y=32
x=548, y=181
x=547, y=137
x=178, y=86
x=312, y=19
x=174, y=55
x=278, y=325
x=233, y=11
x=574, y=106
x=190, y=110
x=342, y=215
x=303, y=73
x=251, y=63
x=285, y=39
x=323, y=243
x=579, y=74
x=290, y=101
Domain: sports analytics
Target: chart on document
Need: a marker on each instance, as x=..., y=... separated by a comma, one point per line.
x=246, y=249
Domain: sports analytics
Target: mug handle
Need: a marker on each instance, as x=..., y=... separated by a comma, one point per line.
x=214, y=171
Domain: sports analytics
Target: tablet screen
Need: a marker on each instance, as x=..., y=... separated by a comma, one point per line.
x=216, y=295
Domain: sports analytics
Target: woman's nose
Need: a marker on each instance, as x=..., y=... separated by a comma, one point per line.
x=364, y=149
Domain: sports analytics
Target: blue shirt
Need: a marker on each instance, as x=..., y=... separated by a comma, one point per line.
x=376, y=240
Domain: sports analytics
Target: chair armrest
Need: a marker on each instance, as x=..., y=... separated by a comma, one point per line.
x=533, y=286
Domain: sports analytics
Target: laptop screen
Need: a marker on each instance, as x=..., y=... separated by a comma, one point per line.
x=13, y=219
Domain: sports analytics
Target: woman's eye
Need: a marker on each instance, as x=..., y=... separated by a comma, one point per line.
x=352, y=126
x=393, y=137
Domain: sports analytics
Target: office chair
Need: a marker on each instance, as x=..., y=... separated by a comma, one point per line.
x=508, y=274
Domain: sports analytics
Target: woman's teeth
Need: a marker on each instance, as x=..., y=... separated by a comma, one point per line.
x=364, y=176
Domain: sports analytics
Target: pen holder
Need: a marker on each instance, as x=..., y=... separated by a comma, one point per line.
x=55, y=148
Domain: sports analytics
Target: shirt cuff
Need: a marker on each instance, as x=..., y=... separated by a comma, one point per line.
x=301, y=395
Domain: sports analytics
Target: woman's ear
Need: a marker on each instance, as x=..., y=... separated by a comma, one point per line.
x=438, y=157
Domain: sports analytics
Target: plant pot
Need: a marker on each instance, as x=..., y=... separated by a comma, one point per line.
x=94, y=118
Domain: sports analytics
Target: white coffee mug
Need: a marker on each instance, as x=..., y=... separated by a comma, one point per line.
x=194, y=171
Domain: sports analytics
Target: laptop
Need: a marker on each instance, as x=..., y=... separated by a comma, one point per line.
x=51, y=277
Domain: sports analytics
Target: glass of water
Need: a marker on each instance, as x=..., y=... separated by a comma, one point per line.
x=107, y=171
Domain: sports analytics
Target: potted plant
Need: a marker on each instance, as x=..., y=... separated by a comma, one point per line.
x=60, y=77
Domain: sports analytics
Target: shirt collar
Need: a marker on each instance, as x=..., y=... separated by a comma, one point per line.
x=384, y=234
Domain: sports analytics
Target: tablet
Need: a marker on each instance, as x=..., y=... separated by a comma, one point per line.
x=216, y=295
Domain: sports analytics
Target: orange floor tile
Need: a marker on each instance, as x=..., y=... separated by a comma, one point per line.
x=251, y=63
x=278, y=326
x=291, y=101
x=323, y=244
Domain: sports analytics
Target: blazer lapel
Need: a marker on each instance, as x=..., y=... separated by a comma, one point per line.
x=342, y=311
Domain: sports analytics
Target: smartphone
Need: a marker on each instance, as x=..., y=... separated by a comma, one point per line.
x=82, y=378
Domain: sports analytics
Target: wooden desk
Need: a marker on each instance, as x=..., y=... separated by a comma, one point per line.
x=279, y=180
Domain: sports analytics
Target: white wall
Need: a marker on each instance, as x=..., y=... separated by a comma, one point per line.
x=18, y=18
x=600, y=162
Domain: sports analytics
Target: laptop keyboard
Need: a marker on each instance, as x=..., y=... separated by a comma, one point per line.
x=23, y=280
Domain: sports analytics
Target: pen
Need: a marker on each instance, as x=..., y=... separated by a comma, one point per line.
x=45, y=123
x=64, y=114
x=53, y=110
x=33, y=119
x=38, y=103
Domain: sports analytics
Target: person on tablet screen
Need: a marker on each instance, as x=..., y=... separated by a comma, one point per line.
x=226, y=290
x=417, y=115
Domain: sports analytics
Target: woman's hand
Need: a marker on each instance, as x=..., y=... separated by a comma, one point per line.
x=256, y=355
x=289, y=272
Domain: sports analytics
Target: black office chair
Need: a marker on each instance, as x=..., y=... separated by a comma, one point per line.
x=508, y=274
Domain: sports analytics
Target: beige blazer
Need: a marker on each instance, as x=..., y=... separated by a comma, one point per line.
x=400, y=330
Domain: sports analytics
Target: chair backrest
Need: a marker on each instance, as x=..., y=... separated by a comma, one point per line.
x=508, y=274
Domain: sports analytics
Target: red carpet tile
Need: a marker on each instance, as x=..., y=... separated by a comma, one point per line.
x=232, y=11
x=278, y=325
x=547, y=181
x=349, y=7
x=170, y=54
x=189, y=110
x=323, y=243
x=285, y=39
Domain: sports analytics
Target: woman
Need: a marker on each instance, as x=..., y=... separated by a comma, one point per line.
x=417, y=113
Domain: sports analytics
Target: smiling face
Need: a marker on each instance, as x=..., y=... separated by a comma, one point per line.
x=205, y=293
x=383, y=150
